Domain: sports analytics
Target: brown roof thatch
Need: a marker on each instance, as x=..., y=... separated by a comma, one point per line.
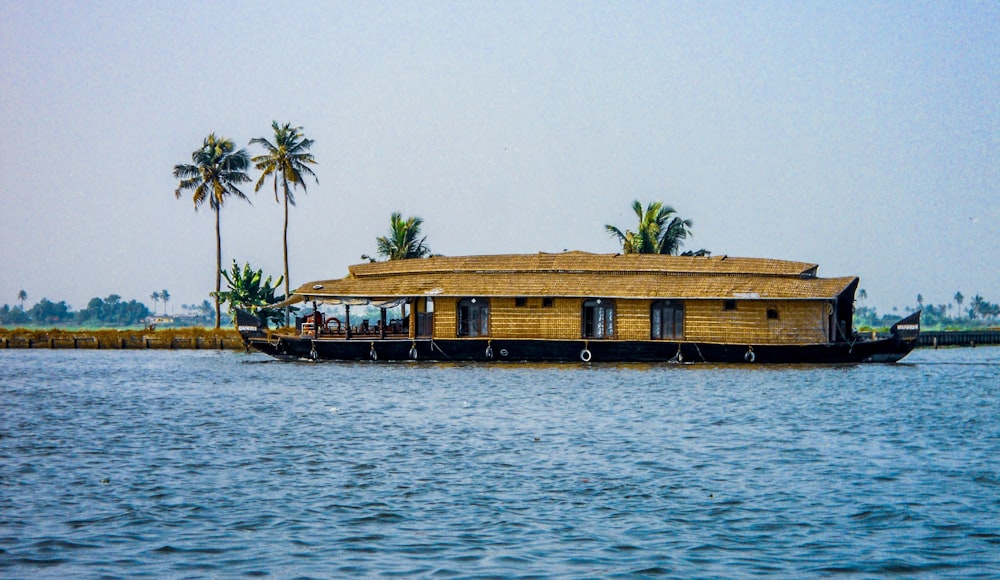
x=580, y=274
x=583, y=262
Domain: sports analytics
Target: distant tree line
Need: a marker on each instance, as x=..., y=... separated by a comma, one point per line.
x=108, y=312
x=978, y=312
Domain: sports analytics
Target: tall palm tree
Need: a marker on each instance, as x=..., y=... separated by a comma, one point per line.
x=156, y=299
x=164, y=296
x=22, y=296
x=216, y=170
x=660, y=231
x=286, y=161
x=404, y=241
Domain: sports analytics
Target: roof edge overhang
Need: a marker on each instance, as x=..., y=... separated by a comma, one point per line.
x=379, y=300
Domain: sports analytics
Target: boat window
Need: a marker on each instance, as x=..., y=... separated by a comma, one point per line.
x=598, y=318
x=772, y=313
x=548, y=302
x=666, y=319
x=520, y=301
x=473, y=317
x=729, y=305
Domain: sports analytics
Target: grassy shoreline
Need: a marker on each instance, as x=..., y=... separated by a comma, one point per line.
x=119, y=339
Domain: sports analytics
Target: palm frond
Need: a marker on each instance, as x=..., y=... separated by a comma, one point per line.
x=659, y=231
x=404, y=241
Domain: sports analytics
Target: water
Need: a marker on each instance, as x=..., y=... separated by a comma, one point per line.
x=194, y=463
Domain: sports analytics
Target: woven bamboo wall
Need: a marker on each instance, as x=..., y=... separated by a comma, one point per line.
x=632, y=319
x=507, y=320
x=799, y=322
x=445, y=320
x=562, y=320
x=510, y=321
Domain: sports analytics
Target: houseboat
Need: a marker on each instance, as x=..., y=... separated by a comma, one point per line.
x=577, y=306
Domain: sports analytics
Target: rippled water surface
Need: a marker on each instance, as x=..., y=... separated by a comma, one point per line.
x=194, y=463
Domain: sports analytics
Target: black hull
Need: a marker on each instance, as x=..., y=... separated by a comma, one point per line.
x=903, y=339
x=492, y=350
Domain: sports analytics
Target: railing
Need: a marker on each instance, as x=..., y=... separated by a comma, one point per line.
x=958, y=338
x=334, y=328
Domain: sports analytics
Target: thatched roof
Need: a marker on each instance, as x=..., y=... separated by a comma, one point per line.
x=584, y=262
x=580, y=274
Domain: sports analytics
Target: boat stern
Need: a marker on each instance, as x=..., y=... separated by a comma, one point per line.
x=903, y=339
x=249, y=326
x=907, y=329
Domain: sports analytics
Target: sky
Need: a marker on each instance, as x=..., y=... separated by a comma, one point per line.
x=860, y=136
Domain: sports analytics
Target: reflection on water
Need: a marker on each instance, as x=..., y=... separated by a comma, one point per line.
x=194, y=463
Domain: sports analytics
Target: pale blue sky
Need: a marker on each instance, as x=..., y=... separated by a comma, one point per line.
x=864, y=137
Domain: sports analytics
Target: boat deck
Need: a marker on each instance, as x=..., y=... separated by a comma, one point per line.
x=356, y=333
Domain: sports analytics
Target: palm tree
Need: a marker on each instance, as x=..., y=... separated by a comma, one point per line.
x=402, y=243
x=213, y=176
x=156, y=298
x=165, y=296
x=660, y=231
x=959, y=298
x=22, y=296
x=287, y=161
